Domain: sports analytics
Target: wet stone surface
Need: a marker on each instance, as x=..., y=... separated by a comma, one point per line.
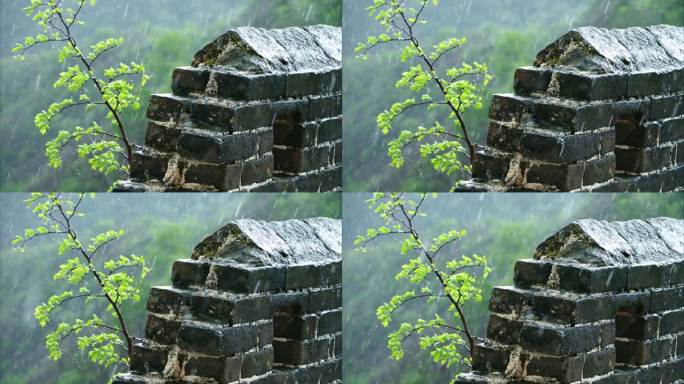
x=600, y=302
x=260, y=302
x=600, y=110
x=258, y=110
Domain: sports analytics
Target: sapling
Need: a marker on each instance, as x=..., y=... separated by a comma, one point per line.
x=88, y=272
x=105, y=143
x=451, y=283
x=456, y=89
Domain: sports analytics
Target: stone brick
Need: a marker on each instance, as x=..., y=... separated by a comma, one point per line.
x=325, y=299
x=330, y=322
x=490, y=358
x=301, y=160
x=146, y=357
x=216, y=340
x=307, y=83
x=591, y=280
x=162, y=137
x=648, y=276
x=531, y=272
x=591, y=87
x=223, y=177
x=257, y=363
x=637, y=353
x=329, y=130
x=664, y=107
x=672, y=322
x=560, y=148
x=241, y=279
x=265, y=334
x=325, y=107
x=231, y=309
x=599, y=170
x=257, y=170
x=564, y=369
x=607, y=140
x=189, y=272
x=216, y=148
x=167, y=107
x=490, y=165
x=644, y=84
x=559, y=341
x=672, y=130
x=504, y=137
x=294, y=134
x=637, y=135
x=503, y=329
x=643, y=160
x=301, y=352
x=186, y=80
x=636, y=326
x=331, y=371
x=218, y=368
x=149, y=165
x=666, y=299
x=302, y=276
x=240, y=86
x=167, y=300
x=295, y=327
x=528, y=80
x=599, y=363
x=565, y=177
x=162, y=330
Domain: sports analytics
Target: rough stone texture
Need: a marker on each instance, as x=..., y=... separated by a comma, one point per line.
x=601, y=110
x=258, y=110
x=601, y=302
x=258, y=302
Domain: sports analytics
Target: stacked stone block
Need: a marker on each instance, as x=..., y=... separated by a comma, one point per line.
x=258, y=302
x=258, y=110
x=600, y=110
x=600, y=303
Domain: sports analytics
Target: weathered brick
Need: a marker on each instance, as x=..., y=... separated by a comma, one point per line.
x=301, y=159
x=240, y=86
x=591, y=280
x=560, y=148
x=528, y=80
x=257, y=363
x=149, y=165
x=162, y=136
x=189, y=272
x=599, y=170
x=301, y=352
x=216, y=148
x=531, y=272
x=565, y=177
x=257, y=170
x=330, y=322
x=239, y=279
x=641, y=160
x=186, y=80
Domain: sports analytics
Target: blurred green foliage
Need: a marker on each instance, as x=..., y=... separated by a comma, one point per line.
x=163, y=34
x=505, y=227
x=163, y=227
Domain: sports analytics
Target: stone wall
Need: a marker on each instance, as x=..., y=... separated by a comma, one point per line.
x=258, y=110
x=600, y=110
x=258, y=302
x=601, y=302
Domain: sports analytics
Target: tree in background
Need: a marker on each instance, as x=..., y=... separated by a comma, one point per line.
x=107, y=148
x=455, y=282
x=90, y=275
x=455, y=88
